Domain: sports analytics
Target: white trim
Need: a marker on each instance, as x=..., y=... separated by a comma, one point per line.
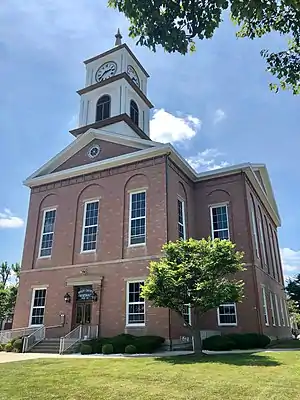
x=265, y=307
x=42, y=231
x=286, y=313
x=277, y=310
x=32, y=302
x=272, y=309
x=218, y=314
x=127, y=304
x=282, y=311
x=130, y=219
x=262, y=238
x=211, y=219
x=183, y=224
x=83, y=226
x=189, y=314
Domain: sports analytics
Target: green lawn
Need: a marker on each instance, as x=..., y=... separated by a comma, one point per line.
x=286, y=344
x=250, y=376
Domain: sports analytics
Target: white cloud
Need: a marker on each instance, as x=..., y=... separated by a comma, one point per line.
x=207, y=160
x=8, y=220
x=167, y=128
x=219, y=115
x=290, y=261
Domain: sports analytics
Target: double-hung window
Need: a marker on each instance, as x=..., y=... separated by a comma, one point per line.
x=262, y=237
x=265, y=307
x=227, y=315
x=277, y=310
x=137, y=218
x=254, y=226
x=282, y=312
x=135, y=307
x=181, y=219
x=38, y=306
x=219, y=221
x=187, y=315
x=272, y=310
x=90, y=226
x=47, y=233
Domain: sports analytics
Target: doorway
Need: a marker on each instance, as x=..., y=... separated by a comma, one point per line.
x=83, y=305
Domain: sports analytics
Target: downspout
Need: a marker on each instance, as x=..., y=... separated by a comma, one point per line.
x=260, y=328
x=167, y=238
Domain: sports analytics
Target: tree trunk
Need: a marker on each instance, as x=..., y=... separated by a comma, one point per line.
x=197, y=342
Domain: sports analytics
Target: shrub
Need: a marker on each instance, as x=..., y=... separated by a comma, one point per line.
x=18, y=345
x=148, y=344
x=107, y=348
x=218, y=343
x=256, y=340
x=130, y=349
x=85, y=348
x=8, y=347
x=1, y=347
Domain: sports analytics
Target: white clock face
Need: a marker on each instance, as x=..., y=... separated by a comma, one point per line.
x=133, y=75
x=105, y=71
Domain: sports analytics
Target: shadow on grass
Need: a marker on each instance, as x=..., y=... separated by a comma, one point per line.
x=230, y=359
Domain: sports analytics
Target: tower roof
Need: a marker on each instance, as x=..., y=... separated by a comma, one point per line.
x=118, y=37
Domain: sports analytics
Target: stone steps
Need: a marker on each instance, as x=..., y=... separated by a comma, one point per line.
x=46, y=346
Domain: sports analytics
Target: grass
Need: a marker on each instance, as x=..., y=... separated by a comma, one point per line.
x=248, y=376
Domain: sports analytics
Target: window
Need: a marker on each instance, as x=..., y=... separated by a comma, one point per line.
x=186, y=313
x=134, y=112
x=272, y=309
x=286, y=313
x=254, y=226
x=103, y=108
x=265, y=308
x=219, y=222
x=278, y=259
x=272, y=251
x=38, y=307
x=227, y=314
x=282, y=312
x=277, y=310
x=262, y=238
x=181, y=220
x=47, y=233
x=90, y=226
x=268, y=265
x=137, y=220
x=135, y=309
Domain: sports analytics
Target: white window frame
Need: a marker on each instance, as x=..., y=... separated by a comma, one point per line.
x=272, y=309
x=42, y=231
x=188, y=314
x=129, y=324
x=254, y=227
x=84, y=227
x=211, y=219
x=32, y=307
x=277, y=310
x=282, y=311
x=130, y=219
x=218, y=314
x=183, y=224
x=265, y=306
x=286, y=313
x=275, y=269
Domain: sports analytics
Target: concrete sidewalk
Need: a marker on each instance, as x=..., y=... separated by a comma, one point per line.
x=11, y=357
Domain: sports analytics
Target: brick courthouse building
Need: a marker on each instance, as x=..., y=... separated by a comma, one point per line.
x=102, y=208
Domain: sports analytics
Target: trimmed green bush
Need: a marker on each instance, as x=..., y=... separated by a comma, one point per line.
x=107, y=349
x=1, y=347
x=130, y=349
x=86, y=349
x=8, y=347
x=18, y=345
x=218, y=343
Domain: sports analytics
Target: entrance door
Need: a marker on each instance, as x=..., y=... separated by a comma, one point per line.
x=83, y=313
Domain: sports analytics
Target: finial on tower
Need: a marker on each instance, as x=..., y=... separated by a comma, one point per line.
x=118, y=37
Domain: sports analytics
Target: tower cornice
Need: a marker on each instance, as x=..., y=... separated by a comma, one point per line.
x=114, y=78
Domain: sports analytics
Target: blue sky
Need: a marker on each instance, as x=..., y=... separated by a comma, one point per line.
x=214, y=105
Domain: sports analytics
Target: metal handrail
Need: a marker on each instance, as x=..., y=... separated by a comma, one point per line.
x=9, y=334
x=70, y=339
x=33, y=339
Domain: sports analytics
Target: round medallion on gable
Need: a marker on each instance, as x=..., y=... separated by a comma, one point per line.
x=94, y=151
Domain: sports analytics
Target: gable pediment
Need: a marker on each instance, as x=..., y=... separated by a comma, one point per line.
x=77, y=153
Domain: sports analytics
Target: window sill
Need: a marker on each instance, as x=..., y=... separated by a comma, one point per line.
x=43, y=257
x=135, y=325
x=137, y=245
x=87, y=251
x=227, y=324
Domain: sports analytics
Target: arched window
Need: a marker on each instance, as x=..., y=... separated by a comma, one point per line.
x=103, y=108
x=134, y=112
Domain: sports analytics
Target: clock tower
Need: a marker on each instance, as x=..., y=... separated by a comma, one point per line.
x=114, y=98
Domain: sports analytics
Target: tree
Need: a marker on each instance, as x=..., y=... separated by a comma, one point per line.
x=197, y=273
x=294, y=311
x=293, y=289
x=176, y=24
x=9, y=282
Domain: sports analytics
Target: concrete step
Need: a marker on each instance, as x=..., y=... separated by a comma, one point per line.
x=46, y=346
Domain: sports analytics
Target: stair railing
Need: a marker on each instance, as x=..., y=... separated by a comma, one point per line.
x=70, y=339
x=9, y=334
x=33, y=339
